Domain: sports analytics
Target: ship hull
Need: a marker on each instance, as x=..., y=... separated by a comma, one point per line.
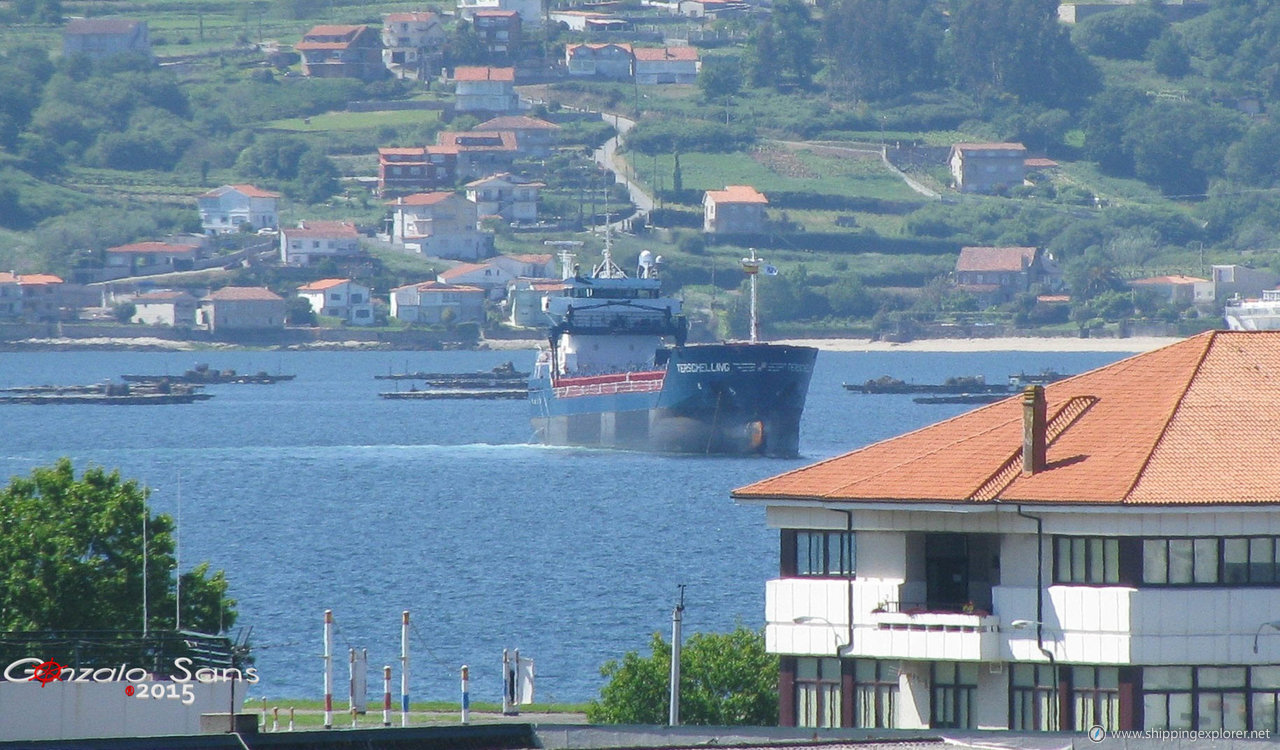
x=725, y=399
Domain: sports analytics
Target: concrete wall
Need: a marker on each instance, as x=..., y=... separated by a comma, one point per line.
x=31, y=711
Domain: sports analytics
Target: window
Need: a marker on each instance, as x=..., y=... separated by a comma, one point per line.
x=1033, y=698
x=1086, y=560
x=356, y=298
x=820, y=553
x=875, y=694
x=1232, y=561
x=1166, y=698
x=817, y=692
x=1095, y=697
x=1249, y=560
x=954, y=686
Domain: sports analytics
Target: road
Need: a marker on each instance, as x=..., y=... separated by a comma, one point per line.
x=604, y=156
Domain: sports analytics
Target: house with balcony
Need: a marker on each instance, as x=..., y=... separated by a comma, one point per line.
x=339, y=298
x=499, y=31
x=485, y=89
x=416, y=169
x=1102, y=551
x=531, y=12
x=511, y=198
x=232, y=207
x=491, y=277
x=1230, y=280
x=736, y=209
x=312, y=241
x=996, y=274
x=31, y=297
x=440, y=224
x=413, y=44
x=478, y=153
x=342, y=51
x=987, y=167
x=1178, y=290
x=435, y=302
x=98, y=38
x=535, y=138
x=610, y=61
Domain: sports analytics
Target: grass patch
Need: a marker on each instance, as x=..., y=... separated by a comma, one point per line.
x=335, y=121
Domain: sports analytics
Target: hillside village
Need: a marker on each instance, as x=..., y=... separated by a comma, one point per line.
x=446, y=228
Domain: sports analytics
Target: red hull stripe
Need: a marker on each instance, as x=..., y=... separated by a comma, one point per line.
x=603, y=385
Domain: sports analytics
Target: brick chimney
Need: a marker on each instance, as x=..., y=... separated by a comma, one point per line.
x=1033, y=429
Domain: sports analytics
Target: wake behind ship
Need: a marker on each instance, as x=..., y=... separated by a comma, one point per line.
x=611, y=379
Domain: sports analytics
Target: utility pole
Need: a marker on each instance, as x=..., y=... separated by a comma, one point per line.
x=673, y=717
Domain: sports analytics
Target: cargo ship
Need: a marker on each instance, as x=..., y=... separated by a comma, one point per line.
x=618, y=372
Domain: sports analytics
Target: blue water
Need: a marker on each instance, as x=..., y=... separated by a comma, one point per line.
x=315, y=494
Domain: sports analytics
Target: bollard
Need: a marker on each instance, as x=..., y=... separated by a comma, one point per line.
x=466, y=695
x=275, y=719
x=386, y=696
x=290, y=718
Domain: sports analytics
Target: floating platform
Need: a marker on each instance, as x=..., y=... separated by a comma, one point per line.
x=491, y=394
x=104, y=393
x=503, y=375
x=202, y=375
x=963, y=398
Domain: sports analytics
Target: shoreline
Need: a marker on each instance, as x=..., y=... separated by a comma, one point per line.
x=1135, y=344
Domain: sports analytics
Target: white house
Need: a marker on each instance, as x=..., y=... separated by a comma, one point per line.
x=313, y=241
x=440, y=224
x=241, y=308
x=527, y=265
x=987, y=167
x=143, y=258
x=608, y=60
x=1102, y=551
x=491, y=277
x=485, y=89
x=512, y=198
x=339, y=298
x=412, y=42
x=165, y=308
x=655, y=65
x=435, y=302
x=230, y=207
x=737, y=208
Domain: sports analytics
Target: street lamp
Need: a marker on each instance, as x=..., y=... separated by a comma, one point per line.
x=1274, y=625
x=835, y=629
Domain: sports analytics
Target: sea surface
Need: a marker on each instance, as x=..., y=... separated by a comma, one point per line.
x=315, y=494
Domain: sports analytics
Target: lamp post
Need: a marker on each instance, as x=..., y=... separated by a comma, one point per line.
x=817, y=620
x=1274, y=625
x=1053, y=662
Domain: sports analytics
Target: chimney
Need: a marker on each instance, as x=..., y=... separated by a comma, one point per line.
x=1033, y=430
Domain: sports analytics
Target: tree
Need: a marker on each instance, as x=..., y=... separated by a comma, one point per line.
x=123, y=312
x=1169, y=55
x=71, y=558
x=298, y=312
x=719, y=79
x=883, y=48
x=726, y=679
x=1123, y=33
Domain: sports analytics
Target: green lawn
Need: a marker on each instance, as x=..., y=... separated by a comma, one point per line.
x=331, y=121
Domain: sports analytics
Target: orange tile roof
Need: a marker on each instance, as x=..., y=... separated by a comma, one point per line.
x=153, y=247
x=737, y=194
x=995, y=258
x=27, y=279
x=493, y=140
x=410, y=17
x=462, y=269
x=323, y=284
x=421, y=199
x=1174, y=280
x=243, y=293
x=341, y=229
x=659, y=54
x=532, y=257
x=596, y=46
x=468, y=73
x=1192, y=423
x=248, y=190
x=438, y=286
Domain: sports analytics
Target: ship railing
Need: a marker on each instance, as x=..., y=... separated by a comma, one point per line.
x=579, y=322
x=610, y=386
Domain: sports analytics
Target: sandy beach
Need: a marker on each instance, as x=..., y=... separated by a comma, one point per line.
x=1135, y=344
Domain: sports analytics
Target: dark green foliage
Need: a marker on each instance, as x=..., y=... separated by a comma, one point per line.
x=1170, y=56
x=36, y=11
x=1104, y=128
x=1017, y=47
x=1123, y=33
x=298, y=312
x=123, y=312
x=71, y=558
x=719, y=78
x=464, y=47
x=883, y=48
x=782, y=50
x=24, y=71
x=726, y=679
x=1254, y=160
x=664, y=136
x=1179, y=146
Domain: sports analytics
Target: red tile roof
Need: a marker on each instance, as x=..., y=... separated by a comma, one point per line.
x=466, y=73
x=340, y=229
x=492, y=140
x=437, y=286
x=995, y=258
x=462, y=269
x=28, y=278
x=323, y=284
x=659, y=54
x=538, y=258
x=153, y=247
x=248, y=190
x=737, y=194
x=243, y=293
x=1190, y=424
x=421, y=199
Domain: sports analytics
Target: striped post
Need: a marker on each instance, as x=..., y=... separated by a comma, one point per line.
x=404, y=668
x=386, y=696
x=466, y=695
x=275, y=719
x=290, y=718
x=328, y=669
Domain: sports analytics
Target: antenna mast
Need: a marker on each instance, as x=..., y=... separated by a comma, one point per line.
x=751, y=266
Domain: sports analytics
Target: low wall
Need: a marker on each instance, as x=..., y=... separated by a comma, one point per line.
x=71, y=710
